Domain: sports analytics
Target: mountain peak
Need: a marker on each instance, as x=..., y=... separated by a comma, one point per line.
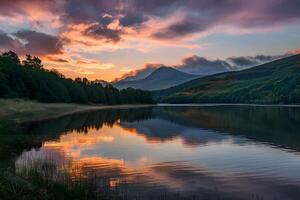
x=168, y=72
x=161, y=78
x=162, y=68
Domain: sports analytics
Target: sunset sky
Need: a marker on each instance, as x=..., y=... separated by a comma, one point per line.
x=105, y=39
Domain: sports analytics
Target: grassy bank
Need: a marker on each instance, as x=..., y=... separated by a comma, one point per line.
x=18, y=110
x=31, y=185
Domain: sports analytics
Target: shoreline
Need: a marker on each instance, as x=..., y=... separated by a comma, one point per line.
x=226, y=104
x=88, y=109
x=20, y=111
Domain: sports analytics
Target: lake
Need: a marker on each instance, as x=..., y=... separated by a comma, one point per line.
x=174, y=152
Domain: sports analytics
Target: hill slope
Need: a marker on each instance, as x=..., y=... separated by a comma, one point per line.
x=274, y=82
x=161, y=78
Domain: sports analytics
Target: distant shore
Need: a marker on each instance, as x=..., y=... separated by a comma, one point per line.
x=226, y=104
x=19, y=110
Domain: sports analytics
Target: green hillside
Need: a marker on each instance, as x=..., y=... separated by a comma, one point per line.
x=277, y=82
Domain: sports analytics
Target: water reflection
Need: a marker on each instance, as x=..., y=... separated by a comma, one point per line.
x=177, y=152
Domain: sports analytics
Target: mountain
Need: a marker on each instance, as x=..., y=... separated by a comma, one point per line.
x=102, y=82
x=275, y=82
x=161, y=78
x=137, y=75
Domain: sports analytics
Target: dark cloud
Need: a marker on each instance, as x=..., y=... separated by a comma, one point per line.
x=106, y=20
x=101, y=32
x=38, y=43
x=78, y=11
x=131, y=19
x=8, y=43
x=178, y=30
x=263, y=58
x=243, y=62
x=273, y=13
x=198, y=15
x=31, y=42
x=13, y=7
x=203, y=66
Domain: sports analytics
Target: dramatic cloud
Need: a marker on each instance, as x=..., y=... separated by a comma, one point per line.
x=31, y=42
x=249, y=61
x=203, y=66
x=68, y=27
x=38, y=43
x=105, y=33
x=196, y=16
x=242, y=61
x=177, y=30
x=8, y=43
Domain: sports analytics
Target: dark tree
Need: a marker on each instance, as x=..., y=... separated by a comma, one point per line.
x=31, y=81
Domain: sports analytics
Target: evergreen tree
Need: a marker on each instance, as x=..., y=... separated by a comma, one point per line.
x=28, y=79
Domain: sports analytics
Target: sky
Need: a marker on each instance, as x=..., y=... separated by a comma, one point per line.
x=109, y=39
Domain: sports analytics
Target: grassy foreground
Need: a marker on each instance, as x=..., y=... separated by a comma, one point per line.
x=33, y=185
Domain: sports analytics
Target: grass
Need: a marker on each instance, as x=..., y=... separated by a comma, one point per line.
x=43, y=178
x=19, y=110
x=34, y=180
x=38, y=180
x=34, y=186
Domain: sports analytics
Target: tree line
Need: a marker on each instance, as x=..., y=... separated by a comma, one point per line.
x=29, y=80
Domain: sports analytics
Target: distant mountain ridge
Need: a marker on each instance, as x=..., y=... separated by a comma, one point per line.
x=161, y=78
x=137, y=75
x=275, y=82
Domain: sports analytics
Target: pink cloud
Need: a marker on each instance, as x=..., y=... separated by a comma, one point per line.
x=295, y=51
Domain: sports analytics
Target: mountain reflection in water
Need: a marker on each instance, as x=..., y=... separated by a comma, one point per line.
x=232, y=152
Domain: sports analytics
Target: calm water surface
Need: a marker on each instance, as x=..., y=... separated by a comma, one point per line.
x=211, y=152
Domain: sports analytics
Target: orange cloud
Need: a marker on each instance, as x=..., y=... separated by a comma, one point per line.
x=94, y=64
x=81, y=62
x=56, y=59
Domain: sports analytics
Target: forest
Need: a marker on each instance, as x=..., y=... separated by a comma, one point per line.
x=28, y=79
